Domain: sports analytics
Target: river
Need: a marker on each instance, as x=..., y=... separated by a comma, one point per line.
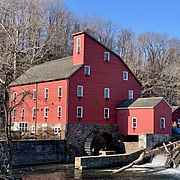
x=67, y=172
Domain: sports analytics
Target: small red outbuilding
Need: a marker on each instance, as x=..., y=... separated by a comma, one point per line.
x=144, y=115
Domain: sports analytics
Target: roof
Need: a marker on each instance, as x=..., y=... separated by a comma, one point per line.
x=52, y=70
x=174, y=108
x=140, y=103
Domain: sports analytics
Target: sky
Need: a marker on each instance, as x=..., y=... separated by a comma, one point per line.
x=159, y=16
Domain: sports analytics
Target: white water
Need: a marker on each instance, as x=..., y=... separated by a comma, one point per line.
x=159, y=160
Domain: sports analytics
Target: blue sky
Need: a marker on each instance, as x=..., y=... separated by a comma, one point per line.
x=160, y=16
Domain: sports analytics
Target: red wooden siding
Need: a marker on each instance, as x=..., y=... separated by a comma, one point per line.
x=163, y=110
x=104, y=74
x=52, y=102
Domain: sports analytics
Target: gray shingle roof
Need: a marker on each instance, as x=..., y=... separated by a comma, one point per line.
x=52, y=70
x=140, y=103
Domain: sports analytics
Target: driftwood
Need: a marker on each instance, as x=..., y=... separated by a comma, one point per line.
x=172, y=155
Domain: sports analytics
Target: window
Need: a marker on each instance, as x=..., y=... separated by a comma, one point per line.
x=79, y=112
x=46, y=112
x=59, y=110
x=60, y=91
x=33, y=129
x=125, y=75
x=130, y=94
x=79, y=91
x=22, y=112
x=107, y=56
x=57, y=130
x=106, y=93
x=87, y=70
x=14, y=96
x=34, y=112
x=34, y=94
x=14, y=113
x=23, y=127
x=134, y=122
x=46, y=93
x=78, y=45
x=106, y=113
x=162, y=123
x=23, y=95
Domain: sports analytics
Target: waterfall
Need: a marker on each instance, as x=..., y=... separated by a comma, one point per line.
x=159, y=160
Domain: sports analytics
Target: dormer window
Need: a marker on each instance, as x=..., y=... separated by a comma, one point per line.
x=78, y=45
x=106, y=93
x=46, y=93
x=79, y=91
x=87, y=70
x=125, y=75
x=107, y=56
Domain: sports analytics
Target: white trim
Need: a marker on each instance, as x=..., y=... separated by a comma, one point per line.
x=34, y=94
x=127, y=76
x=46, y=93
x=59, y=87
x=59, y=114
x=77, y=113
x=26, y=129
x=164, y=123
x=108, y=93
x=134, y=118
x=106, y=56
x=88, y=72
x=57, y=130
x=46, y=112
x=79, y=94
x=14, y=96
x=78, y=45
x=105, y=113
x=130, y=94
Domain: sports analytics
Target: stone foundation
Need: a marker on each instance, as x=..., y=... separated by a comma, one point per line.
x=77, y=133
x=148, y=141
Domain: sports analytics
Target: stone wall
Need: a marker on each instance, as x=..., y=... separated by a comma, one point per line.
x=39, y=152
x=89, y=162
x=77, y=133
x=148, y=141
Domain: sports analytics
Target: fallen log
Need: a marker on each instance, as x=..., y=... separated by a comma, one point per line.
x=171, y=155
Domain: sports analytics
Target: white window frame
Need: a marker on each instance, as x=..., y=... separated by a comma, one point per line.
x=130, y=94
x=106, y=93
x=78, y=45
x=23, y=95
x=87, y=70
x=24, y=127
x=34, y=112
x=162, y=123
x=14, y=96
x=33, y=129
x=59, y=111
x=79, y=114
x=34, y=94
x=46, y=93
x=106, y=56
x=57, y=130
x=106, y=113
x=46, y=112
x=23, y=112
x=14, y=112
x=125, y=76
x=79, y=92
x=134, y=122
x=59, y=91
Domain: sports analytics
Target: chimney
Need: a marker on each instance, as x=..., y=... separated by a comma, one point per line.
x=78, y=47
